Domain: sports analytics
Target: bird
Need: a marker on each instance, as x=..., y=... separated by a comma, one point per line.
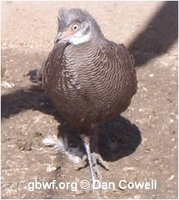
x=89, y=79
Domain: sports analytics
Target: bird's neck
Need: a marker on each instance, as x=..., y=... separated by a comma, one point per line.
x=81, y=39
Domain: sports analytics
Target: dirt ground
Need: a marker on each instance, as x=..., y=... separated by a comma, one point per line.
x=145, y=136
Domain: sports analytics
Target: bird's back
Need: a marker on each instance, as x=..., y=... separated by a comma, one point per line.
x=91, y=82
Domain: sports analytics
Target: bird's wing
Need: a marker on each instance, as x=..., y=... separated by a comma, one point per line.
x=125, y=56
x=128, y=63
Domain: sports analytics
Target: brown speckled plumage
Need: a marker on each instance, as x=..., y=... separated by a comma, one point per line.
x=90, y=83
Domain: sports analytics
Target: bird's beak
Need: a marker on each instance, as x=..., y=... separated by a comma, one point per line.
x=58, y=37
x=63, y=35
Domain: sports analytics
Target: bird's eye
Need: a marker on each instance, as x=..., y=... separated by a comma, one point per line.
x=75, y=27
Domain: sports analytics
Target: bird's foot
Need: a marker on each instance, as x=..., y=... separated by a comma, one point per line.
x=96, y=157
x=97, y=174
x=82, y=164
x=95, y=160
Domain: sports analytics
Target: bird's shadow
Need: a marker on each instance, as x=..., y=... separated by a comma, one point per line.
x=118, y=137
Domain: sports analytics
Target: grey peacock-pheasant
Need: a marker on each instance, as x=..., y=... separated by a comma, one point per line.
x=89, y=79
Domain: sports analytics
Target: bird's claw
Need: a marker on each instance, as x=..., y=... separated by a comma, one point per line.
x=96, y=157
x=82, y=164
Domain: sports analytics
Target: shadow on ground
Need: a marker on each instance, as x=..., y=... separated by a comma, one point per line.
x=118, y=137
x=158, y=36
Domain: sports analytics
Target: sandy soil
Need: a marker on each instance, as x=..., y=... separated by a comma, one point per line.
x=145, y=136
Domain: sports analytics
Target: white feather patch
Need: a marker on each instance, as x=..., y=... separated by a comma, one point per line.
x=58, y=145
x=54, y=142
x=79, y=38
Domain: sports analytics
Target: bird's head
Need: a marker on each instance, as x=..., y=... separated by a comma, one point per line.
x=76, y=26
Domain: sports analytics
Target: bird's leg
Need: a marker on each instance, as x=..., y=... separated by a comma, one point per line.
x=95, y=150
x=90, y=161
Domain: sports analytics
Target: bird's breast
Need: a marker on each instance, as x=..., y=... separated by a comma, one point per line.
x=89, y=85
